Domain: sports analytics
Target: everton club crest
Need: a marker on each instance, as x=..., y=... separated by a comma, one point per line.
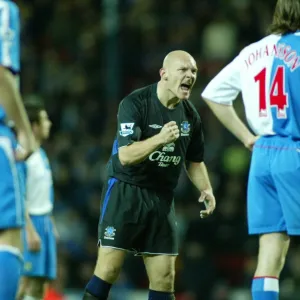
x=185, y=128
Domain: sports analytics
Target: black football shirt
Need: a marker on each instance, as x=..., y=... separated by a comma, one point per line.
x=141, y=115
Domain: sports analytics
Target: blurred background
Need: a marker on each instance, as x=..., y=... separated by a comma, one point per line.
x=82, y=57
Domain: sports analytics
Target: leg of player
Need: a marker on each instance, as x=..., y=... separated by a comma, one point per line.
x=161, y=274
x=273, y=249
x=108, y=267
x=22, y=288
x=35, y=289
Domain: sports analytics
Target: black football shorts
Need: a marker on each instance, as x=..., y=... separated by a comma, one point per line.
x=137, y=219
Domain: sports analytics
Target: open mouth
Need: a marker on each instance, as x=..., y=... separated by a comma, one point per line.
x=185, y=87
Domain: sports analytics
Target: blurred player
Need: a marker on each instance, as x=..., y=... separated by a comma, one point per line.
x=11, y=109
x=158, y=130
x=268, y=75
x=40, y=233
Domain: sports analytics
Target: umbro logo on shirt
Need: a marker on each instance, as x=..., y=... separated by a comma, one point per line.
x=155, y=126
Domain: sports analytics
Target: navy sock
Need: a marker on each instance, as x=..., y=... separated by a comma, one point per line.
x=98, y=288
x=154, y=295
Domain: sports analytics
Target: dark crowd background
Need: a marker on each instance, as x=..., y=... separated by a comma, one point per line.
x=81, y=57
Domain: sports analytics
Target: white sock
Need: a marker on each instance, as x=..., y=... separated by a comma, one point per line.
x=31, y=298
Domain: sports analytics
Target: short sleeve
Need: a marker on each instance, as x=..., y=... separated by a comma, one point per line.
x=9, y=36
x=129, y=122
x=225, y=87
x=195, y=151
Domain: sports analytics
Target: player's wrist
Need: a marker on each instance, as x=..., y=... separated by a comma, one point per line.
x=250, y=141
x=247, y=138
x=159, y=140
x=207, y=190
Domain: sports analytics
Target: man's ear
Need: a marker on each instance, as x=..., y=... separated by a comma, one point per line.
x=163, y=74
x=34, y=126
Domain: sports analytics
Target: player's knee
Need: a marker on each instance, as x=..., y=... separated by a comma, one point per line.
x=109, y=264
x=163, y=281
x=36, y=287
x=278, y=259
x=108, y=272
x=272, y=264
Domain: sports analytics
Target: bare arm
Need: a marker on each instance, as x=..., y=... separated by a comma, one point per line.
x=33, y=238
x=29, y=225
x=139, y=151
x=197, y=173
x=11, y=101
x=228, y=117
x=219, y=95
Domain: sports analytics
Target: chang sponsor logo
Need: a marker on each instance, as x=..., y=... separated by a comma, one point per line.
x=163, y=159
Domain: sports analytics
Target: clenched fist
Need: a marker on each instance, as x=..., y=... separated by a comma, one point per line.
x=169, y=133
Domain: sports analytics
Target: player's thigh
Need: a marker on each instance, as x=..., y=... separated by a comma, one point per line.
x=161, y=271
x=23, y=283
x=121, y=220
x=38, y=283
x=263, y=206
x=286, y=174
x=273, y=248
x=109, y=263
x=35, y=285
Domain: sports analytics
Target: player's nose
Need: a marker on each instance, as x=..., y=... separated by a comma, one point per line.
x=190, y=74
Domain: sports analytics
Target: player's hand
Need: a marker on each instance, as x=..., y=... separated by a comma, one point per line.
x=26, y=146
x=169, y=133
x=251, y=141
x=21, y=154
x=207, y=197
x=33, y=241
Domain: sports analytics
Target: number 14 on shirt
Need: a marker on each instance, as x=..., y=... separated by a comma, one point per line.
x=278, y=97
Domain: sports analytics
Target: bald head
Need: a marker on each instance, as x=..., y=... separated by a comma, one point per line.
x=178, y=74
x=178, y=56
